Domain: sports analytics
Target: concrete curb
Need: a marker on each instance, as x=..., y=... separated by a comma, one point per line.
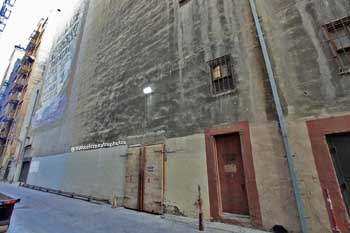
x=211, y=226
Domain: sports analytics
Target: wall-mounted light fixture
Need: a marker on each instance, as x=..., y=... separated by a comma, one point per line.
x=147, y=90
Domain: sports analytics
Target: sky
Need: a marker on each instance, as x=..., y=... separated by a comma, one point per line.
x=24, y=18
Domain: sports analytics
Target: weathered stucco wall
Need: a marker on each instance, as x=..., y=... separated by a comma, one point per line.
x=56, y=105
x=185, y=169
x=48, y=171
x=98, y=173
x=309, y=181
x=272, y=177
x=157, y=43
x=309, y=83
x=127, y=45
x=303, y=64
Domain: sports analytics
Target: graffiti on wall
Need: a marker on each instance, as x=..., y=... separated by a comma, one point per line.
x=53, y=97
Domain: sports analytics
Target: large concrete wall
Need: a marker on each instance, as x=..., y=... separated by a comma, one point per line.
x=312, y=194
x=52, y=118
x=272, y=177
x=98, y=173
x=169, y=47
x=304, y=67
x=157, y=43
x=127, y=45
x=48, y=171
x=309, y=84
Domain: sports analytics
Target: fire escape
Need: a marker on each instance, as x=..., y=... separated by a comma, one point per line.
x=17, y=90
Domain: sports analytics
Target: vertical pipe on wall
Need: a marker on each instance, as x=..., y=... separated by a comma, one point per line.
x=281, y=119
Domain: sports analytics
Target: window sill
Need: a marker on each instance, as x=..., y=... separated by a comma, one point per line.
x=344, y=72
x=229, y=92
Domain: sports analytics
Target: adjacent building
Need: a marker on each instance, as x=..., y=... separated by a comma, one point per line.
x=188, y=86
x=15, y=101
x=5, y=100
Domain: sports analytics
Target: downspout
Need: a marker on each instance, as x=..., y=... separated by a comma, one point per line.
x=281, y=120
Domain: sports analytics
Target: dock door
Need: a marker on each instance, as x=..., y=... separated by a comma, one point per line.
x=144, y=180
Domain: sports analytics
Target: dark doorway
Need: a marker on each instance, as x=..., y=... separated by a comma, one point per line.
x=339, y=147
x=7, y=170
x=24, y=172
x=231, y=174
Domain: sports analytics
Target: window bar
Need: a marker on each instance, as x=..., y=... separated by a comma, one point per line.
x=226, y=81
x=212, y=82
x=334, y=40
x=343, y=47
x=340, y=42
x=218, y=81
x=230, y=71
x=222, y=78
x=333, y=46
x=229, y=77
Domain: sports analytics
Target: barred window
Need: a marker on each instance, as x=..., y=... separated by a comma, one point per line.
x=221, y=75
x=337, y=34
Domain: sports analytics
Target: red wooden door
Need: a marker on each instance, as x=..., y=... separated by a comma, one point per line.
x=231, y=174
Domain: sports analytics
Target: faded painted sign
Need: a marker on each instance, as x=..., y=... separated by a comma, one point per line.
x=53, y=95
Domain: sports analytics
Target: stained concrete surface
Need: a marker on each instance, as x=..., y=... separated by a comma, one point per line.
x=40, y=212
x=186, y=159
x=71, y=172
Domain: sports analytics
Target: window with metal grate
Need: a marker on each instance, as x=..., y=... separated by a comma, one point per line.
x=337, y=34
x=221, y=75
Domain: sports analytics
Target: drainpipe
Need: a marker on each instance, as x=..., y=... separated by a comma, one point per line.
x=282, y=123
